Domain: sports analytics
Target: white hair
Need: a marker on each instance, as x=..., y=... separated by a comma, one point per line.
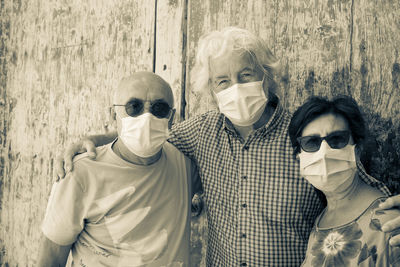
x=224, y=42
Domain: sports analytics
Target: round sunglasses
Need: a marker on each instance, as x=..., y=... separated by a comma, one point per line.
x=336, y=140
x=158, y=108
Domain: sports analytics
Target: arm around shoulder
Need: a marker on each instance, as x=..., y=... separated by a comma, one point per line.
x=185, y=135
x=88, y=144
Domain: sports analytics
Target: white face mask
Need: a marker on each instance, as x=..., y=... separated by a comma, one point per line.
x=144, y=135
x=328, y=168
x=242, y=103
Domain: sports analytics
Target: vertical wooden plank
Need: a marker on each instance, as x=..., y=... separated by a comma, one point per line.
x=376, y=84
x=171, y=48
x=4, y=36
x=64, y=58
x=312, y=40
x=375, y=58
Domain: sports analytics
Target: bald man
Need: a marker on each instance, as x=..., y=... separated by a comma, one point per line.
x=131, y=206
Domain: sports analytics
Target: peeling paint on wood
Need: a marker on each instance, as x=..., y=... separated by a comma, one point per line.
x=376, y=56
x=170, y=48
x=66, y=59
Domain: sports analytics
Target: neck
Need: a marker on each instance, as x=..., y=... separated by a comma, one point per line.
x=339, y=199
x=245, y=131
x=124, y=153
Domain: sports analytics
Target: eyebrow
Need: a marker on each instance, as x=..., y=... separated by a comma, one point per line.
x=151, y=101
x=221, y=77
x=242, y=70
x=247, y=69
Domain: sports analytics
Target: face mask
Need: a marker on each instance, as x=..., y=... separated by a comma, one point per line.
x=328, y=169
x=144, y=135
x=242, y=103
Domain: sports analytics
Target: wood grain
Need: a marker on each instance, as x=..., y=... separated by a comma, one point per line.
x=65, y=59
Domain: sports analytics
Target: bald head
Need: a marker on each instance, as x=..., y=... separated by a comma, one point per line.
x=144, y=85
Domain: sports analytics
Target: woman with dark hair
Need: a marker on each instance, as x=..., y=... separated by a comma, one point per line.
x=327, y=137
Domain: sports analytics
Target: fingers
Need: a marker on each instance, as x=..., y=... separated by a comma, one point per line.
x=391, y=225
x=390, y=203
x=59, y=168
x=395, y=240
x=90, y=148
x=69, y=154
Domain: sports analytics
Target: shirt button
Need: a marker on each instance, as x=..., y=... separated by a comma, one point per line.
x=243, y=264
x=244, y=177
x=246, y=147
x=243, y=235
x=244, y=205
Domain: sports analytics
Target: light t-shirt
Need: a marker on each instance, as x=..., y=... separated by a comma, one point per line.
x=120, y=214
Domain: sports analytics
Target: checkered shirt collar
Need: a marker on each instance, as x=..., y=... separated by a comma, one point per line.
x=272, y=123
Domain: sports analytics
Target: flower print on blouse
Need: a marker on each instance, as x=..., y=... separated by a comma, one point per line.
x=358, y=243
x=337, y=247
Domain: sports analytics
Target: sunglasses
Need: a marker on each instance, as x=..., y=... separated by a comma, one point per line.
x=335, y=140
x=158, y=108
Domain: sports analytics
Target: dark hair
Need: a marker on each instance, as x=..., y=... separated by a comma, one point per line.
x=315, y=106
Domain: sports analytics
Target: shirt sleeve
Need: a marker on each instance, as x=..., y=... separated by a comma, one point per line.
x=65, y=213
x=195, y=178
x=185, y=135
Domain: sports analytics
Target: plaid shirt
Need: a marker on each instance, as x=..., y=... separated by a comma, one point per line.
x=259, y=211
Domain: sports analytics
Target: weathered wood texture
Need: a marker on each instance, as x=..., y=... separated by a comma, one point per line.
x=60, y=60
x=63, y=60
x=170, y=44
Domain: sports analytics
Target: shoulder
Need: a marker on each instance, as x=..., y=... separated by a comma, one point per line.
x=84, y=166
x=176, y=157
x=82, y=159
x=172, y=153
x=199, y=120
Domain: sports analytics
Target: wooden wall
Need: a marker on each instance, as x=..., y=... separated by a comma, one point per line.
x=59, y=60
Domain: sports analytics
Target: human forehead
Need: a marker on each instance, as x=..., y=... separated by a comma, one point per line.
x=231, y=64
x=144, y=89
x=326, y=124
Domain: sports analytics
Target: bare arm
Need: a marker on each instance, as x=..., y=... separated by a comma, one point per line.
x=52, y=254
x=103, y=139
x=88, y=144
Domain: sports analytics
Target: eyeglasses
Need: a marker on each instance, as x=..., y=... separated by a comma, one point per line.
x=335, y=140
x=158, y=108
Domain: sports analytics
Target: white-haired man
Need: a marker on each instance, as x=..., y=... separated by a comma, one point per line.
x=131, y=205
x=259, y=210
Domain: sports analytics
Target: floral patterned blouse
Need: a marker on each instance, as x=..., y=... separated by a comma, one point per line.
x=358, y=243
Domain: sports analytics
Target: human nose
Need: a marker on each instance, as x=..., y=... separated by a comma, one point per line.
x=324, y=145
x=235, y=80
x=146, y=107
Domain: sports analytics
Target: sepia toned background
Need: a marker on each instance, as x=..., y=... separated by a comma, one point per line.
x=60, y=59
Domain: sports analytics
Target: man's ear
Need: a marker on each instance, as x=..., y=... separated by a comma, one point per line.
x=171, y=119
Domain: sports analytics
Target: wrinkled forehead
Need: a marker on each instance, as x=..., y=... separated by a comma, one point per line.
x=231, y=63
x=144, y=87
